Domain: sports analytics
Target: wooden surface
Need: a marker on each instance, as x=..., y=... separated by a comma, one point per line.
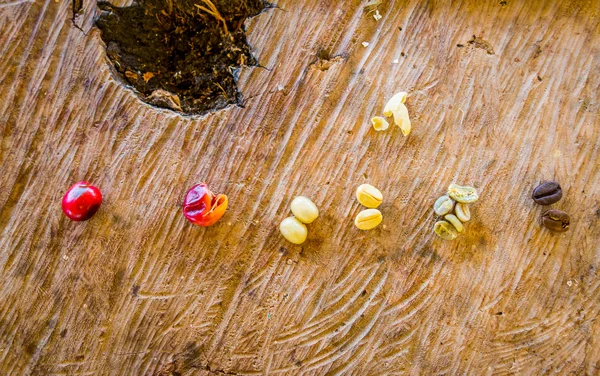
x=138, y=290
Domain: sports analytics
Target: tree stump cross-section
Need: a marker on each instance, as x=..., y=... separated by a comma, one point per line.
x=503, y=95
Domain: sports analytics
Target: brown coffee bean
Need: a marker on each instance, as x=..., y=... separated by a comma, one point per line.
x=556, y=220
x=547, y=193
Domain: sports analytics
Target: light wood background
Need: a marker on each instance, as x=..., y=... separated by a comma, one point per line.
x=138, y=290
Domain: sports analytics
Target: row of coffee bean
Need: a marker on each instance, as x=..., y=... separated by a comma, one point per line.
x=451, y=223
x=549, y=193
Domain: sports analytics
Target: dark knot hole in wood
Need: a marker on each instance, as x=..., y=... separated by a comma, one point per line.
x=184, y=55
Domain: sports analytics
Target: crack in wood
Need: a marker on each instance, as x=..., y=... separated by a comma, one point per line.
x=481, y=43
x=219, y=371
x=13, y=3
x=324, y=60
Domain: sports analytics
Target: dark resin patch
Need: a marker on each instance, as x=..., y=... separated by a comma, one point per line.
x=180, y=54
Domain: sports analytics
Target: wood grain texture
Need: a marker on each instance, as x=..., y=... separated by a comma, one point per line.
x=138, y=290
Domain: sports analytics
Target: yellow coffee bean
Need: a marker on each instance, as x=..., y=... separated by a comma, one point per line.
x=368, y=219
x=369, y=196
x=293, y=230
x=304, y=209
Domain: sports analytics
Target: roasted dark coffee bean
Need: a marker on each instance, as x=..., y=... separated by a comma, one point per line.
x=556, y=220
x=547, y=193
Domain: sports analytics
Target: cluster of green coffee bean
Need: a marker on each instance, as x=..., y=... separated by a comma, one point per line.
x=454, y=208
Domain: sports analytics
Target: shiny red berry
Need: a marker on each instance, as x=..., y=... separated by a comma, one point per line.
x=202, y=207
x=81, y=201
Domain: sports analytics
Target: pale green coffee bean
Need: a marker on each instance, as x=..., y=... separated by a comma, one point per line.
x=369, y=196
x=304, y=209
x=465, y=194
x=445, y=230
x=368, y=219
x=443, y=205
x=293, y=230
x=462, y=212
x=454, y=222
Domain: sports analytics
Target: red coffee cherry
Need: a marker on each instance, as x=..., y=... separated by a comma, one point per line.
x=81, y=201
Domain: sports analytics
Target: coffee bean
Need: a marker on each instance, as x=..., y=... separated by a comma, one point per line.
x=445, y=230
x=556, y=220
x=547, y=193
x=443, y=205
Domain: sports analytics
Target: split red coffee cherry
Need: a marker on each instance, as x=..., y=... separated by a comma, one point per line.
x=202, y=207
x=81, y=201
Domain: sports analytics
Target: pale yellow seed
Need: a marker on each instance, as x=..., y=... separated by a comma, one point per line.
x=462, y=212
x=455, y=222
x=445, y=230
x=369, y=196
x=293, y=230
x=368, y=219
x=402, y=120
x=394, y=103
x=304, y=209
x=379, y=123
